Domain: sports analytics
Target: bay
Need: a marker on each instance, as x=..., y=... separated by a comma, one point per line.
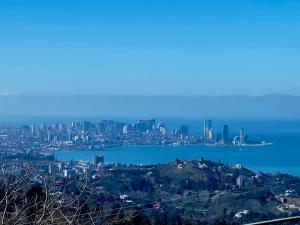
x=283, y=156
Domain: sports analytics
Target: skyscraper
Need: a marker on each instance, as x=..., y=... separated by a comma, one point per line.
x=225, y=134
x=242, y=136
x=207, y=128
x=150, y=124
x=86, y=126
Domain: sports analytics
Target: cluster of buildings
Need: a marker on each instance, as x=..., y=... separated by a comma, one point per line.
x=87, y=135
x=63, y=169
x=223, y=138
x=44, y=138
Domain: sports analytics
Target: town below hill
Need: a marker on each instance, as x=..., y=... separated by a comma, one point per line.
x=179, y=192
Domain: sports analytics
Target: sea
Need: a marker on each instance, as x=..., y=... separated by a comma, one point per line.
x=283, y=156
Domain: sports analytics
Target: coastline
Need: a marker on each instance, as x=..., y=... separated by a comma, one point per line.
x=171, y=145
x=243, y=145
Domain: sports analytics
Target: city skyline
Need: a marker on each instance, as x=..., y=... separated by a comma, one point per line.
x=108, y=133
x=146, y=112
x=150, y=48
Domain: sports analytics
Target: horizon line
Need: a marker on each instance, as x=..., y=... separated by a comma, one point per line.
x=4, y=94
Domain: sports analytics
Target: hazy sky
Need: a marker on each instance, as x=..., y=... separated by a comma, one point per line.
x=150, y=47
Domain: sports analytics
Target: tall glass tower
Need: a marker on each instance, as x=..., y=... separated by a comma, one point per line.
x=242, y=136
x=207, y=128
x=225, y=134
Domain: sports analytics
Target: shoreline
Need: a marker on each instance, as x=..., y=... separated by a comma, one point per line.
x=149, y=145
x=243, y=145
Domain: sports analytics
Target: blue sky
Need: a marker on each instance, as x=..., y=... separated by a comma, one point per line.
x=150, y=47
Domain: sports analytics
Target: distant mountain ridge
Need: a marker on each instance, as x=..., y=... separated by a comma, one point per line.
x=270, y=106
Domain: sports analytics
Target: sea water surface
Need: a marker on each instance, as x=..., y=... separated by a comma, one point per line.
x=283, y=156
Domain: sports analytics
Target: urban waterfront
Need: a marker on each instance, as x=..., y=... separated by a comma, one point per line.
x=222, y=162
x=150, y=112
x=283, y=156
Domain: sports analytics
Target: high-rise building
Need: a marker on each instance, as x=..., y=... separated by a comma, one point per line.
x=127, y=128
x=119, y=127
x=211, y=134
x=207, y=128
x=86, y=126
x=150, y=124
x=61, y=127
x=141, y=125
x=111, y=126
x=32, y=128
x=242, y=136
x=225, y=134
x=100, y=128
x=105, y=125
